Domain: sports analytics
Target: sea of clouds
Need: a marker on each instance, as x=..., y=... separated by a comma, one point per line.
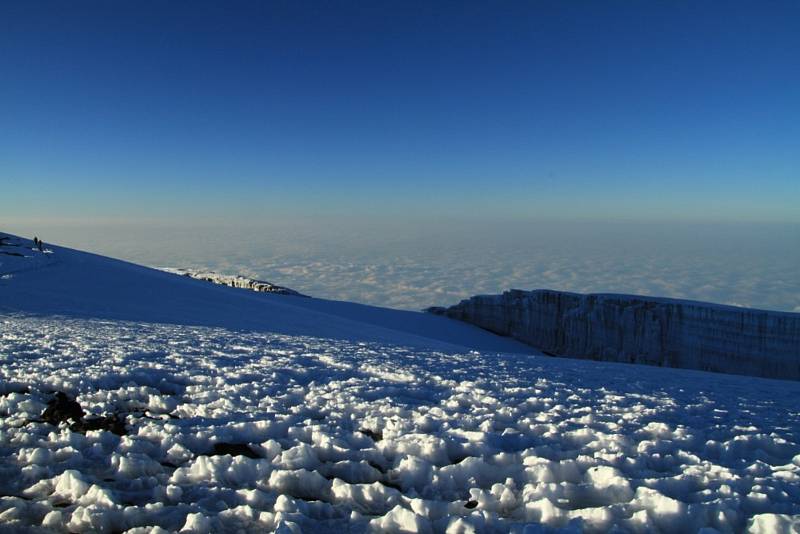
x=413, y=265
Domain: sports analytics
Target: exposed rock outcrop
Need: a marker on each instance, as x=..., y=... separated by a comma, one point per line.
x=239, y=281
x=649, y=330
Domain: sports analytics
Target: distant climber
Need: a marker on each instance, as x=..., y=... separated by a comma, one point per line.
x=35, y=241
x=39, y=244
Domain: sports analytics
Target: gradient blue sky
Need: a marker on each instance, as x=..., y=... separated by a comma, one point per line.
x=241, y=111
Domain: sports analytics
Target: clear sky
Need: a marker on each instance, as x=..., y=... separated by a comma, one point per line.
x=188, y=111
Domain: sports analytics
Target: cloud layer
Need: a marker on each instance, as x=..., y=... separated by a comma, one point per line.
x=415, y=266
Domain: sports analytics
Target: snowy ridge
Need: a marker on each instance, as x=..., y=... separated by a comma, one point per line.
x=67, y=282
x=636, y=329
x=239, y=281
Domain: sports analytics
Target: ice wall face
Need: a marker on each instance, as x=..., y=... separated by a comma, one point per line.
x=634, y=329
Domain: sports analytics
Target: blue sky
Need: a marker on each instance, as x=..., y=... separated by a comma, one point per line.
x=243, y=111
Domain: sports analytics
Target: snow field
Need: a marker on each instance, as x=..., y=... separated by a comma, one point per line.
x=368, y=437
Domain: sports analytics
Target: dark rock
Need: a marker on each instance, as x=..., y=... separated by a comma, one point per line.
x=112, y=423
x=62, y=408
x=234, y=449
x=471, y=504
x=371, y=434
x=16, y=388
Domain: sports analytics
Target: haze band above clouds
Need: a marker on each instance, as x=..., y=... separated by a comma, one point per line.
x=416, y=265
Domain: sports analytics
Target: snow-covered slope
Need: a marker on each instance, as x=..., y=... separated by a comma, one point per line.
x=230, y=280
x=79, y=284
x=655, y=331
x=251, y=432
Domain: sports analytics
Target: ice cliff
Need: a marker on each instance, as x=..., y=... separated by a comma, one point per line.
x=239, y=281
x=636, y=329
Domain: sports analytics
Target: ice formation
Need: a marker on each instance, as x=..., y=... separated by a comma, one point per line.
x=239, y=281
x=655, y=331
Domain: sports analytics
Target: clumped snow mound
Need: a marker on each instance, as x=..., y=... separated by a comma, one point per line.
x=230, y=431
x=238, y=281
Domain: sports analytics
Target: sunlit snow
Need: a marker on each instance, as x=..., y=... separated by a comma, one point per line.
x=368, y=436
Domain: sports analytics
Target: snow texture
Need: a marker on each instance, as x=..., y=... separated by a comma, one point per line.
x=649, y=330
x=359, y=437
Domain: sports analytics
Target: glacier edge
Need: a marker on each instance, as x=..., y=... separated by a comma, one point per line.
x=638, y=329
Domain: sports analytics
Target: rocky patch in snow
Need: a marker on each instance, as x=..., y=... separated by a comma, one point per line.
x=238, y=281
x=62, y=409
x=649, y=330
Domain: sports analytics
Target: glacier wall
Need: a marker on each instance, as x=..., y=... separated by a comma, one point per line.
x=648, y=330
x=238, y=281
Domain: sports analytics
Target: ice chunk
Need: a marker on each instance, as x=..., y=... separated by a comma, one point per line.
x=197, y=523
x=773, y=523
x=400, y=520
